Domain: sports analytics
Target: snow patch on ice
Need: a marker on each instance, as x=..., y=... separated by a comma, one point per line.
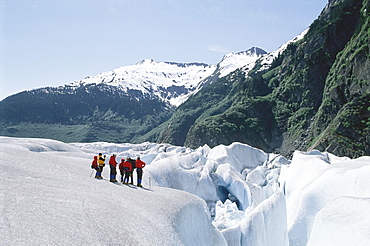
x=314, y=180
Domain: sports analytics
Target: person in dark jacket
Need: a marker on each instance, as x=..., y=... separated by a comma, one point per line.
x=139, y=170
x=113, y=170
x=121, y=169
x=133, y=166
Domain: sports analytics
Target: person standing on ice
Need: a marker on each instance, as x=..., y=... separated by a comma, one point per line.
x=113, y=170
x=94, y=165
x=139, y=170
x=121, y=169
x=101, y=162
x=133, y=166
x=127, y=167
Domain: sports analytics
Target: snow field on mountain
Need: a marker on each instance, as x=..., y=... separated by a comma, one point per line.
x=243, y=196
x=267, y=59
x=171, y=82
x=154, y=78
x=232, y=61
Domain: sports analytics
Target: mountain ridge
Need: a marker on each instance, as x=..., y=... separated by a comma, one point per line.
x=131, y=100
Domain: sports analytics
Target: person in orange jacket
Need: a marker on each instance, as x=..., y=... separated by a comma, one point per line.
x=139, y=170
x=101, y=162
x=121, y=169
x=113, y=170
x=127, y=167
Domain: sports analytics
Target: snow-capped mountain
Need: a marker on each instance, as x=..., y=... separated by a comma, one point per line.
x=247, y=59
x=171, y=82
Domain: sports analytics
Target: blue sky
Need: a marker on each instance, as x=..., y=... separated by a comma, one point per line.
x=54, y=42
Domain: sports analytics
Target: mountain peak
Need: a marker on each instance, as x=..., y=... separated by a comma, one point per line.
x=254, y=51
x=232, y=61
x=257, y=51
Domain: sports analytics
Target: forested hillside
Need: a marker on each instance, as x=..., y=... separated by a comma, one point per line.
x=87, y=113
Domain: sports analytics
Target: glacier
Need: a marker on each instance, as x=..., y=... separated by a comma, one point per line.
x=226, y=195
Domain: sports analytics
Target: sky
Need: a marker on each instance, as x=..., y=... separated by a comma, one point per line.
x=55, y=42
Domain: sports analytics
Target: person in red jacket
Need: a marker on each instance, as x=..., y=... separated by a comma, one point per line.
x=139, y=170
x=127, y=167
x=94, y=165
x=113, y=170
x=121, y=169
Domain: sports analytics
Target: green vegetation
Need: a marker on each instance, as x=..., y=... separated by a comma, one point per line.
x=86, y=114
x=65, y=133
x=211, y=100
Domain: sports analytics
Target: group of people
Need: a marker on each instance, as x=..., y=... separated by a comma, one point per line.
x=126, y=168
